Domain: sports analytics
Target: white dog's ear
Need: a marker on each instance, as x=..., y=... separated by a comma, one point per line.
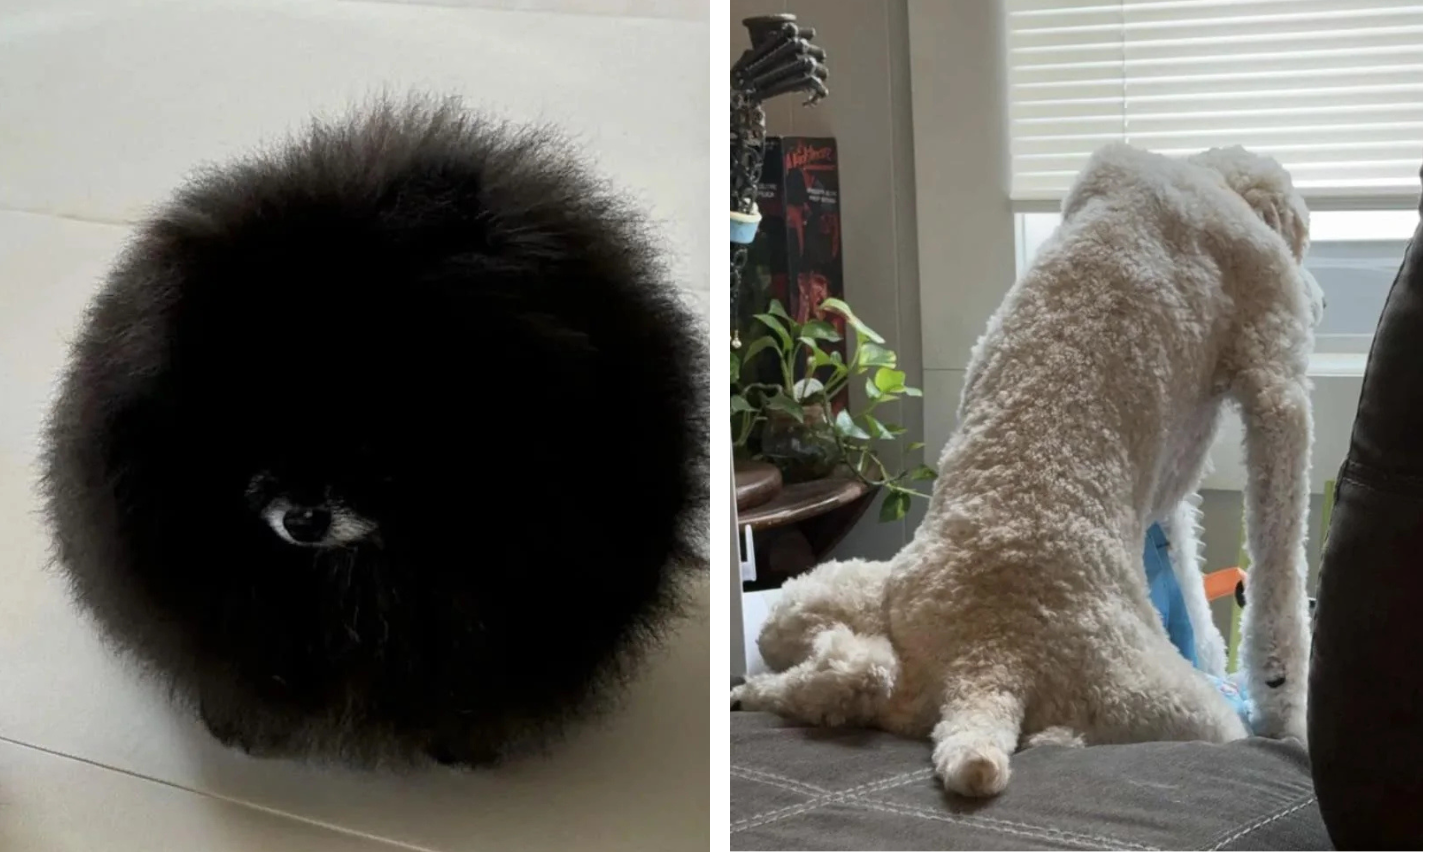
x=1267, y=188
x=1280, y=214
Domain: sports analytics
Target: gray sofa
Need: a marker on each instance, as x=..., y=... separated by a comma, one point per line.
x=794, y=787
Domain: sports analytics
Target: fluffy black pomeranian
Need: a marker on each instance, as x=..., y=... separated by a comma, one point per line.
x=387, y=443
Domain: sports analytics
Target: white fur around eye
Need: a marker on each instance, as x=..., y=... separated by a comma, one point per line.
x=346, y=527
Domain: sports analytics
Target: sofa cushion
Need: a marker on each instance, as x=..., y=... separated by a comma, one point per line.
x=795, y=787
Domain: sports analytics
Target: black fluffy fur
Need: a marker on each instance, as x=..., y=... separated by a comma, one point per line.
x=448, y=323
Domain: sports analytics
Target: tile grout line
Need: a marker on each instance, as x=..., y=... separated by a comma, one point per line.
x=71, y=217
x=433, y=4
x=209, y=795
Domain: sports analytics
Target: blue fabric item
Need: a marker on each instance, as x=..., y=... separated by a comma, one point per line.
x=1235, y=692
x=1165, y=593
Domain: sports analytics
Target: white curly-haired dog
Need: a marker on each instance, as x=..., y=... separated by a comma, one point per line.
x=1020, y=613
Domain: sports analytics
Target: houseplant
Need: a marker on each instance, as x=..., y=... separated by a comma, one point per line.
x=801, y=427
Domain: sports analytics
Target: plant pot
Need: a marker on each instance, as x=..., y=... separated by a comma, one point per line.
x=803, y=450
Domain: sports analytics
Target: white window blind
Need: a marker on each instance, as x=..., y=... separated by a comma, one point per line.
x=1330, y=88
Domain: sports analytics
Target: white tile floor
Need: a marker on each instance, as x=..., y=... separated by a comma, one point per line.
x=104, y=104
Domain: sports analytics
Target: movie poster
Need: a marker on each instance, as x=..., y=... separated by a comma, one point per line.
x=796, y=256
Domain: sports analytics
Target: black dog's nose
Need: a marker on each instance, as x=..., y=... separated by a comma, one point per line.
x=307, y=525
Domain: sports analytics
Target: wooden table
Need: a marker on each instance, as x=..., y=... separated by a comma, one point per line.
x=799, y=527
x=755, y=483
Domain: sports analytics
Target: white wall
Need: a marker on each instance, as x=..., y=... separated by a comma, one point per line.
x=966, y=230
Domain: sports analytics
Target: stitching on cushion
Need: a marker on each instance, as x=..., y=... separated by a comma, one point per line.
x=790, y=784
x=829, y=798
x=1006, y=825
x=868, y=803
x=1262, y=823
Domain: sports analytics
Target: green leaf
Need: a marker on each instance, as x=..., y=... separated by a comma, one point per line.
x=912, y=391
x=779, y=328
x=875, y=356
x=870, y=389
x=914, y=445
x=895, y=429
x=889, y=380
x=758, y=346
x=923, y=472
x=875, y=393
x=839, y=306
x=896, y=504
x=878, y=429
x=810, y=342
x=777, y=309
x=806, y=388
x=781, y=402
x=820, y=358
x=734, y=367
x=848, y=427
x=739, y=403
x=820, y=330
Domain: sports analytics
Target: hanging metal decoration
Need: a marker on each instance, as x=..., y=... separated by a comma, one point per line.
x=780, y=60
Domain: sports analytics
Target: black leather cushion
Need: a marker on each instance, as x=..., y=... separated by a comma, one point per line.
x=1365, y=681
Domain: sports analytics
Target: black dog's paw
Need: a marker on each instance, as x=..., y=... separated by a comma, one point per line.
x=462, y=756
x=227, y=731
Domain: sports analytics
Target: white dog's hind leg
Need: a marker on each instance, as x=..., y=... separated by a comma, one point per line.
x=1182, y=528
x=1275, y=628
x=1151, y=693
x=978, y=731
x=846, y=680
x=850, y=592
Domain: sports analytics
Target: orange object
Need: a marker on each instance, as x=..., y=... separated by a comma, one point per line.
x=1220, y=583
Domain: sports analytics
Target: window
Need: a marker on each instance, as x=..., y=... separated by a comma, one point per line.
x=1330, y=88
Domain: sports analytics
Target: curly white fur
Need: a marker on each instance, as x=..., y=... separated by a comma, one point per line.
x=1019, y=613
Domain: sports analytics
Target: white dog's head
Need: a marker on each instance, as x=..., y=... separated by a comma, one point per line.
x=1267, y=188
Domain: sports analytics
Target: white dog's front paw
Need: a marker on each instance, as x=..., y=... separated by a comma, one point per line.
x=1278, y=712
x=970, y=768
x=1286, y=724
